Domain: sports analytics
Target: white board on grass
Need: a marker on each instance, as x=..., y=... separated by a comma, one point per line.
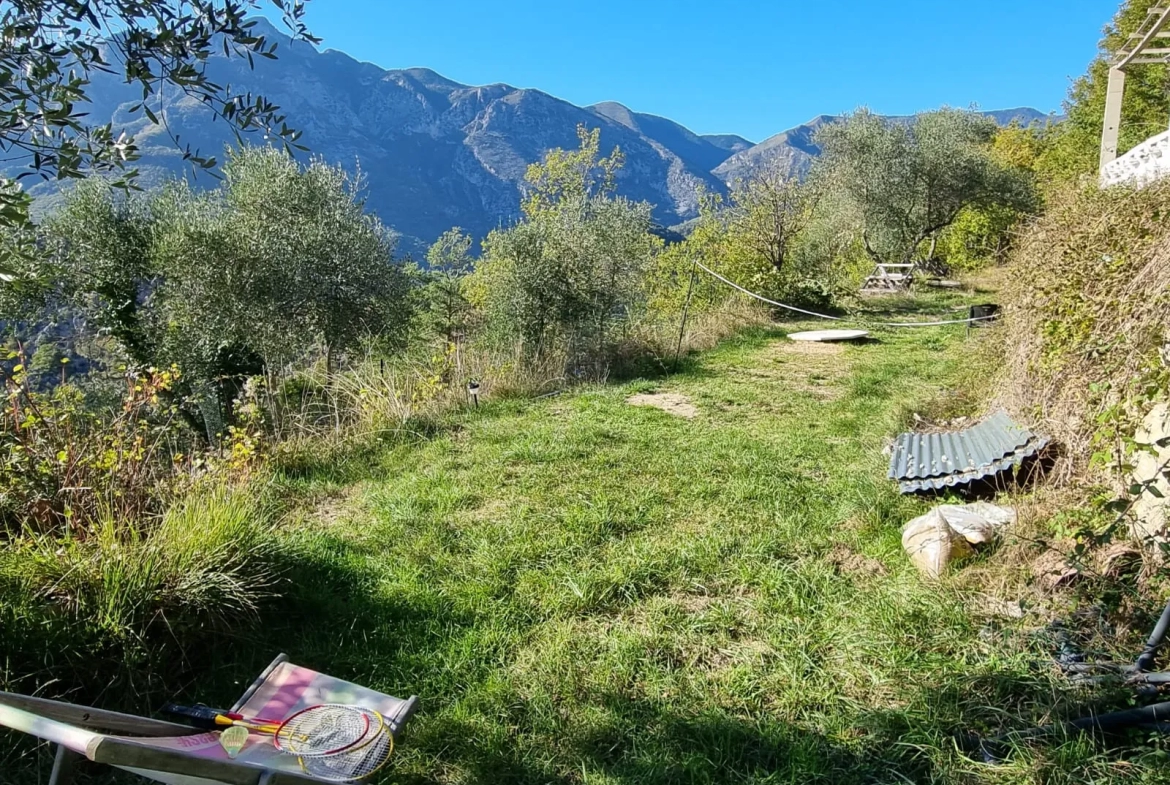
x=829, y=335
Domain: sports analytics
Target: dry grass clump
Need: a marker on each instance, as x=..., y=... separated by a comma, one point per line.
x=373, y=395
x=1086, y=319
x=650, y=345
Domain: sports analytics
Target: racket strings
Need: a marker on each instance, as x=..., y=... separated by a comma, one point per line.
x=333, y=742
x=323, y=730
x=354, y=763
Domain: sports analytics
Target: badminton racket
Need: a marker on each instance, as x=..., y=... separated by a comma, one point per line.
x=316, y=731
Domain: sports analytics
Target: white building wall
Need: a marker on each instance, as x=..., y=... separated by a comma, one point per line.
x=1145, y=163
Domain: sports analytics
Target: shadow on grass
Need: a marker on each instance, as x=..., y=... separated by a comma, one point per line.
x=477, y=727
x=644, y=743
x=338, y=616
x=1001, y=711
x=350, y=459
x=902, y=305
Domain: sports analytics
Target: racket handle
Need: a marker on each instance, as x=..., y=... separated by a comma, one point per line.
x=260, y=726
x=199, y=716
x=213, y=719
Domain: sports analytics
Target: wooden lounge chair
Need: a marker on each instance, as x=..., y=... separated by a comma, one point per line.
x=180, y=755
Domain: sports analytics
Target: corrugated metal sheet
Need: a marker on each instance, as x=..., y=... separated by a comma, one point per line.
x=933, y=461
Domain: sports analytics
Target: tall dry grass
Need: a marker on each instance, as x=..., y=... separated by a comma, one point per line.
x=374, y=395
x=704, y=328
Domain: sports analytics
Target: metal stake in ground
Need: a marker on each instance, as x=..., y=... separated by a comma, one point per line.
x=686, y=307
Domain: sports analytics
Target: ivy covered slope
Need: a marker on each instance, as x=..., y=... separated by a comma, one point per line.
x=1087, y=302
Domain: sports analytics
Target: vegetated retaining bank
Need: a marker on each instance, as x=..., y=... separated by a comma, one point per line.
x=1087, y=321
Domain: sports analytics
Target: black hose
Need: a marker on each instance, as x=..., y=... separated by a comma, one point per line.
x=995, y=749
x=1145, y=660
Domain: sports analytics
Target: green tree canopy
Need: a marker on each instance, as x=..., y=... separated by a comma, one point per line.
x=449, y=261
x=572, y=272
x=904, y=183
x=51, y=47
x=279, y=261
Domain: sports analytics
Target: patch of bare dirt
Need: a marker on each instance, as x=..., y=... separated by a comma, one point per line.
x=849, y=562
x=336, y=508
x=807, y=347
x=671, y=403
x=693, y=603
x=492, y=509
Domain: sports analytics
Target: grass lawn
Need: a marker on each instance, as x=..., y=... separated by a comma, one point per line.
x=585, y=591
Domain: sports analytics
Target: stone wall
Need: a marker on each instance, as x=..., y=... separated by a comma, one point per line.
x=1145, y=163
x=1149, y=463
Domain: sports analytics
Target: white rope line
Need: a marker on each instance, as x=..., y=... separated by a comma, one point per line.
x=761, y=298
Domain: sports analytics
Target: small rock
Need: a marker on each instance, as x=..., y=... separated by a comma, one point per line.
x=1149, y=511
x=1052, y=571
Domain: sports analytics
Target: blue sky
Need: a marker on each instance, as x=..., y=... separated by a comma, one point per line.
x=749, y=68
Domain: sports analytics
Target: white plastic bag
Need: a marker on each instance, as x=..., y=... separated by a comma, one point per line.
x=947, y=532
x=932, y=544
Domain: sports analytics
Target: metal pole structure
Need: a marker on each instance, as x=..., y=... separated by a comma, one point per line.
x=686, y=307
x=1146, y=658
x=64, y=765
x=1114, y=92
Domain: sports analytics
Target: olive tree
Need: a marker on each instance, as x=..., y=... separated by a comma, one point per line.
x=904, y=183
x=571, y=275
x=768, y=213
x=280, y=261
x=323, y=267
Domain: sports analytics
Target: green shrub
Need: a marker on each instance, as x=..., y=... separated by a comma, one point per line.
x=978, y=238
x=130, y=599
x=65, y=467
x=811, y=294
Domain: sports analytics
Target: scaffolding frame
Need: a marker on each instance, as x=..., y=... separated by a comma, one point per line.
x=1148, y=45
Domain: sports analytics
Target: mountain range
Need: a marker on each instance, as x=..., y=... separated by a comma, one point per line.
x=435, y=153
